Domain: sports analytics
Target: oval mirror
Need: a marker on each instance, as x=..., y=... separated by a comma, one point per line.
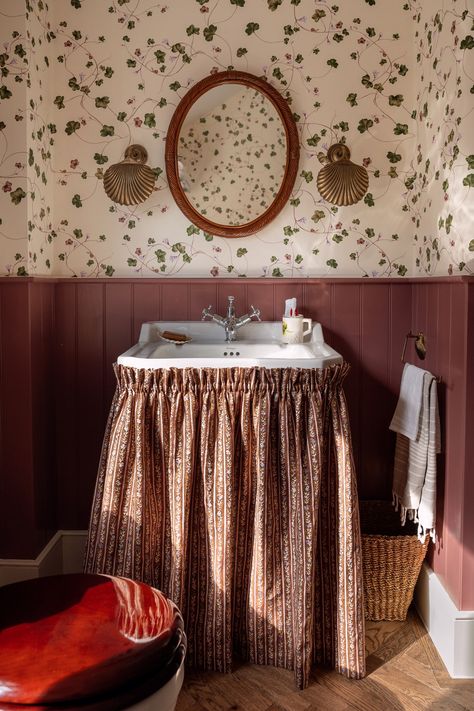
x=232, y=154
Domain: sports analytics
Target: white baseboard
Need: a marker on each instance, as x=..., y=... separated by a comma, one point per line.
x=64, y=553
x=451, y=630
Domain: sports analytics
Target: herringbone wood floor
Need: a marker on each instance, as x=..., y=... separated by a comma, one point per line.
x=404, y=671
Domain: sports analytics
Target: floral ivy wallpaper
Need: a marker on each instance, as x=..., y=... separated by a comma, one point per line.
x=80, y=80
x=13, y=180
x=233, y=156
x=442, y=200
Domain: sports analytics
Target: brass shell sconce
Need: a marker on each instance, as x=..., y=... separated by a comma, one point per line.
x=130, y=182
x=342, y=182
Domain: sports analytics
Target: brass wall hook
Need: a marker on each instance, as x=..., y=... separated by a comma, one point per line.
x=420, y=345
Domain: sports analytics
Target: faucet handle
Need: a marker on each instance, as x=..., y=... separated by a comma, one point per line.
x=231, y=300
x=206, y=313
x=254, y=313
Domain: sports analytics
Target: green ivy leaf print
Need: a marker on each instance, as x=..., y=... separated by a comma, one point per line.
x=314, y=140
x=471, y=245
x=318, y=215
x=192, y=230
x=251, y=28
x=160, y=56
x=76, y=200
x=209, y=32
x=109, y=270
x=470, y=162
x=468, y=181
x=318, y=15
x=369, y=200
x=174, y=86
x=20, y=51
x=239, y=3
x=241, y=251
x=100, y=158
x=401, y=129
x=17, y=196
x=394, y=157
x=467, y=42
x=59, y=102
x=192, y=30
x=107, y=131
x=332, y=263
x=332, y=63
x=5, y=92
x=395, y=99
x=352, y=99
x=102, y=102
x=364, y=125
x=241, y=51
x=150, y=120
x=277, y=272
x=274, y=4
x=307, y=175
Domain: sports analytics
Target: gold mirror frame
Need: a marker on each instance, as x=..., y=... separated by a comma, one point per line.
x=292, y=153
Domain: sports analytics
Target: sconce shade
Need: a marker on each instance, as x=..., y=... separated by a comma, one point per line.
x=342, y=182
x=130, y=182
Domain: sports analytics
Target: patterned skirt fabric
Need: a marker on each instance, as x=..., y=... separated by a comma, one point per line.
x=233, y=491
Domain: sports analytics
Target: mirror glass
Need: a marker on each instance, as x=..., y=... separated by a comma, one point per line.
x=231, y=154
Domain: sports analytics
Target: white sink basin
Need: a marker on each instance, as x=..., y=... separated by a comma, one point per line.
x=257, y=344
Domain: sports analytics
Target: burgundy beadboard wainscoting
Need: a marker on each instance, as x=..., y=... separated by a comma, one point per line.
x=27, y=436
x=444, y=311
x=53, y=418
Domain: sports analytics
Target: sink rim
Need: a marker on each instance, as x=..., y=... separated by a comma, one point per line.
x=145, y=353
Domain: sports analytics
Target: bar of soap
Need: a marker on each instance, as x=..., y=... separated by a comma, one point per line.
x=172, y=336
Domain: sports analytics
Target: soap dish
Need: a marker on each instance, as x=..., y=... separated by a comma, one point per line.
x=178, y=339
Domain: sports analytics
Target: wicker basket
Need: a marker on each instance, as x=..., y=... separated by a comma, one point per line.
x=391, y=556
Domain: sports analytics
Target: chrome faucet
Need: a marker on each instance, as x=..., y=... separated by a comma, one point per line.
x=231, y=323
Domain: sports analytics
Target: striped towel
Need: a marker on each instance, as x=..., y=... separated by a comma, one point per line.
x=414, y=474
